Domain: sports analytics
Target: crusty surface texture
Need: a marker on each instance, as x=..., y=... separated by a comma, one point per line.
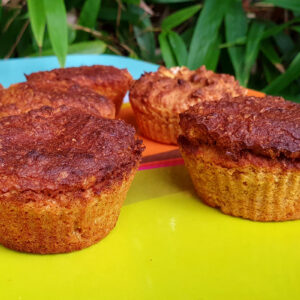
x=25, y=96
x=64, y=149
x=158, y=97
x=256, y=188
x=108, y=81
x=64, y=175
x=266, y=126
x=59, y=223
x=172, y=91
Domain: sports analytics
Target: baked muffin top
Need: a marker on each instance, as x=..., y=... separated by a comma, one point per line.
x=266, y=126
x=64, y=149
x=174, y=90
x=22, y=97
x=106, y=80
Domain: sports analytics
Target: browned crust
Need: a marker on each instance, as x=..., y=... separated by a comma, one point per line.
x=63, y=222
x=172, y=91
x=25, y=96
x=157, y=98
x=64, y=149
x=266, y=126
x=255, y=188
x=108, y=81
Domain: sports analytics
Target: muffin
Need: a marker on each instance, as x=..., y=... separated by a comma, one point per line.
x=158, y=98
x=108, y=81
x=25, y=96
x=64, y=175
x=243, y=155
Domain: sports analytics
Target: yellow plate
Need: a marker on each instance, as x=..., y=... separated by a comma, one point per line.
x=167, y=245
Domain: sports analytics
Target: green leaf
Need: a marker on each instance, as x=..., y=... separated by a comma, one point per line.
x=252, y=47
x=206, y=31
x=294, y=98
x=88, y=17
x=171, y=1
x=143, y=34
x=269, y=71
x=288, y=4
x=292, y=90
x=71, y=35
x=238, y=42
x=27, y=44
x=285, y=45
x=286, y=78
x=166, y=50
x=132, y=1
x=146, y=42
x=179, y=17
x=187, y=35
x=130, y=15
x=91, y=47
x=272, y=31
x=296, y=28
x=57, y=27
x=269, y=51
x=8, y=38
x=37, y=19
x=236, y=15
x=178, y=48
x=275, y=29
x=213, y=54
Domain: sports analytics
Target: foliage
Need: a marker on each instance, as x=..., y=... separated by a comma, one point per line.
x=256, y=41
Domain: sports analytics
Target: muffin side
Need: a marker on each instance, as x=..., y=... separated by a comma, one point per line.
x=243, y=156
x=254, y=189
x=157, y=128
x=63, y=222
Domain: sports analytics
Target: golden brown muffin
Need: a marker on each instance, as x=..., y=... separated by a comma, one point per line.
x=108, y=81
x=25, y=96
x=64, y=175
x=158, y=98
x=243, y=155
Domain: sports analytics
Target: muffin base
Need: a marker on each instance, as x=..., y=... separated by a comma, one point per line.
x=157, y=129
x=59, y=226
x=250, y=191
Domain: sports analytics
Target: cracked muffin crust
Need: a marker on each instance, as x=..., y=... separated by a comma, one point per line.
x=243, y=155
x=157, y=98
x=64, y=175
x=25, y=96
x=108, y=81
x=266, y=126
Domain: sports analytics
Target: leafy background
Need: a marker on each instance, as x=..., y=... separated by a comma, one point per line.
x=257, y=41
